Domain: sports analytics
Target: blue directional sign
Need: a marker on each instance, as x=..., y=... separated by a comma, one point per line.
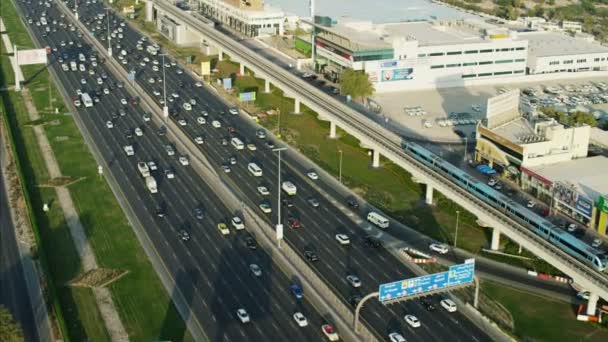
x=457, y=275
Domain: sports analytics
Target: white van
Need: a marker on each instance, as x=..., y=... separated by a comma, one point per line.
x=254, y=169
x=289, y=188
x=378, y=219
x=73, y=66
x=237, y=143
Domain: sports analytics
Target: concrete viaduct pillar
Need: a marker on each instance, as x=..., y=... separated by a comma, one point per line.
x=332, y=130
x=495, y=239
x=149, y=11
x=242, y=69
x=266, y=86
x=428, y=198
x=220, y=54
x=296, y=105
x=376, y=158
x=592, y=304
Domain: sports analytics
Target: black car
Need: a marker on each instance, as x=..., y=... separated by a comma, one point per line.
x=311, y=255
x=460, y=133
x=160, y=212
x=352, y=203
x=162, y=130
x=371, y=241
x=354, y=299
x=128, y=134
x=250, y=243
x=287, y=202
x=427, y=303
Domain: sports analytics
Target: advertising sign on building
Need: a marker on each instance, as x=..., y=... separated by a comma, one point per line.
x=397, y=74
x=32, y=56
x=602, y=204
x=584, y=206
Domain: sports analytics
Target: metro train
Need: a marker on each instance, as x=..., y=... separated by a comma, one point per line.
x=598, y=259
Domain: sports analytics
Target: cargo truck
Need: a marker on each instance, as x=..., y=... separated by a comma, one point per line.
x=143, y=169
x=151, y=184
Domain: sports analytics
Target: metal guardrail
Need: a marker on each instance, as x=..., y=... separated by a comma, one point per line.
x=365, y=129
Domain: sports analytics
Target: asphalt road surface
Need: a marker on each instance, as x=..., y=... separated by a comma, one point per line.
x=319, y=225
x=211, y=271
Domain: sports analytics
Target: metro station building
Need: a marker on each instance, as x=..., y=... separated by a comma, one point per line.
x=251, y=18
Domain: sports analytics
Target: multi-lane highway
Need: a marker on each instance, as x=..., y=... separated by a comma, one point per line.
x=212, y=271
x=319, y=224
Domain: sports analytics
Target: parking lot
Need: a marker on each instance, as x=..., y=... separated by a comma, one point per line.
x=450, y=114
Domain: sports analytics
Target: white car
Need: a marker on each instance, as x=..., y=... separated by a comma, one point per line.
x=216, y=124
x=169, y=174
x=243, y=315
x=139, y=132
x=193, y=102
x=129, y=150
x=343, y=239
x=175, y=95
x=151, y=80
x=396, y=337
x=251, y=147
x=596, y=243
x=449, y=305
x=439, y=248
x=412, y=321
x=312, y=175
x=110, y=124
x=330, y=332
x=123, y=101
x=106, y=91
x=530, y=204
x=353, y=280
x=263, y=191
x=184, y=160
x=146, y=117
x=187, y=106
x=182, y=122
x=300, y=319
x=199, y=140
x=77, y=103
x=152, y=165
x=170, y=150
x=233, y=111
x=198, y=84
x=201, y=120
x=237, y=223
x=154, y=68
x=256, y=270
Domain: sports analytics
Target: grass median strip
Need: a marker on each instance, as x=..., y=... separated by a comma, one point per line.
x=143, y=304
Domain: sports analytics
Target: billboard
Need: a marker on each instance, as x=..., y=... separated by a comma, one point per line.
x=397, y=74
x=227, y=82
x=32, y=56
x=205, y=68
x=457, y=275
x=247, y=97
x=584, y=206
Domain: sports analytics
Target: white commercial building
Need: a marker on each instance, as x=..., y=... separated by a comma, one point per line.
x=252, y=18
x=420, y=54
x=550, y=52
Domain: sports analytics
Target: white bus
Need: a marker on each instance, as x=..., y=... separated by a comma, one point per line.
x=254, y=169
x=237, y=143
x=378, y=219
x=86, y=100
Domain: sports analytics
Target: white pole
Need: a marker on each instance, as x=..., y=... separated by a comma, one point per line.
x=17, y=79
x=165, y=108
x=109, y=36
x=465, y=148
x=279, y=226
x=340, y=172
x=456, y=233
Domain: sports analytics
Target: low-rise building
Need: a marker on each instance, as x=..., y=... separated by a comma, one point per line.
x=577, y=188
x=550, y=52
x=572, y=26
x=251, y=18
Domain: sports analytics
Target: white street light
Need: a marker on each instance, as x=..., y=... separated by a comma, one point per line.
x=165, y=108
x=109, y=36
x=279, y=225
x=340, y=168
x=456, y=233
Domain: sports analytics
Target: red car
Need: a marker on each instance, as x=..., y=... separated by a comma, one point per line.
x=294, y=223
x=231, y=130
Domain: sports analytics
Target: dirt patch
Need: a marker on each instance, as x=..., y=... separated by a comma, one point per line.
x=98, y=277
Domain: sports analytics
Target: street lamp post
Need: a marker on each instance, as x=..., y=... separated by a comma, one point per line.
x=279, y=226
x=456, y=233
x=465, y=148
x=278, y=122
x=76, y=9
x=165, y=108
x=340, y=167
x=109, y=36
